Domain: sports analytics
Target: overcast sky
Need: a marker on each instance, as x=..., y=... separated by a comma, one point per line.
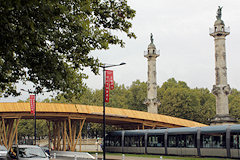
x=181, y=32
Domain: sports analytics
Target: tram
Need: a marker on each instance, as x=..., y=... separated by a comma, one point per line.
x=212, y=141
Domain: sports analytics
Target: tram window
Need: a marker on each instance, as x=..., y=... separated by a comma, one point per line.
x=141, y=141
x=181, y=139
x=107, y=141
x=172, y=141
x=213, y=140
x=114, y=141
x=235, y=141
x=134, y=141
x=150, y=141
x=126, y=141
x=156, y=141
x=190, y=141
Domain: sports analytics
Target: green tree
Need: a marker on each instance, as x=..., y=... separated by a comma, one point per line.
x=26, y=128
x=234, y=103
x=89, y=97
x=136, y=96
x=48, y=42
x=172, y=83
x=207, y=105
x=178, y=100
x=118, y=97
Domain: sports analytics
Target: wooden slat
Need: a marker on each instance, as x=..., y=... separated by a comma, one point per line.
x=64, y=134
x=69, y=143
x=54, y=135
x=74, y=126
x=10, y=131
x=1, y=133
x=16, y=137
x=70, y=131
x=79, y=134
x=14, y=134
x=49, y=133
x=4, y=133
x=58, y=135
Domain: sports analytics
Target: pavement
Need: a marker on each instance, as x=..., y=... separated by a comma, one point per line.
x=68, y=155
x=112, y=157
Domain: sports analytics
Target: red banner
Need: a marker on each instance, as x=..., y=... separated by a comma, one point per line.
x=111, y=81
x=32, y=104
x=106, y=94
x=108, y=84
x=109, y=78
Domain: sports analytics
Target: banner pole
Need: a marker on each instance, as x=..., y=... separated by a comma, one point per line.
x=104, y=122
x=35, y=126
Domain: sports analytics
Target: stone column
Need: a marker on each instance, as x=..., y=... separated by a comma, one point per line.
x=152, y=102
x=222, y=89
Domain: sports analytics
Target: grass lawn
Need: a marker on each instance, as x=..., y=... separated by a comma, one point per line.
x=158, y=156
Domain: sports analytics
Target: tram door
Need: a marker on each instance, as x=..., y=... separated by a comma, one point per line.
x=175, y=144
x=238, y=146
x=235, y=145
x=237, y=142
x=181, y=144
x=186, y=144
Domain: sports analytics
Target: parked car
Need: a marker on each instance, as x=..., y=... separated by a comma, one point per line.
x=46, y=150
x=3, y=152
x=26, y=152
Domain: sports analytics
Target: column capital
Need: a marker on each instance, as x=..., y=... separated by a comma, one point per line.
x=155, y=101
x=218, y=89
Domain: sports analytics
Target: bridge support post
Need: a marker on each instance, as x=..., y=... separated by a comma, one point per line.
x=49, y=133
x=8, y=131
x=64, y=134
x=63, y=140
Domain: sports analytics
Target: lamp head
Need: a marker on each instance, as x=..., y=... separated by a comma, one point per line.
x=123, y=63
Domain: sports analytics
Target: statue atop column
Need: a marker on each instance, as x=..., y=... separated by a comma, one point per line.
x=151, y=38
x=219, y=13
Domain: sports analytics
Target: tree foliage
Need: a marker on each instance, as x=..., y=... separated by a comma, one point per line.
x=234, y=103
x=48, y=42
x=26, y=128
x=177, y=99
x=137, y=95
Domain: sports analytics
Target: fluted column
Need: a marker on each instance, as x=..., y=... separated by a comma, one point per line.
x=221, y=89
x=152, y=102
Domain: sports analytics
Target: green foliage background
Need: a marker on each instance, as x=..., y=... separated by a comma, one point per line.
x=177, y=99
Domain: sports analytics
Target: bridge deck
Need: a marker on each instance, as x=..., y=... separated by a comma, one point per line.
x=64, y=118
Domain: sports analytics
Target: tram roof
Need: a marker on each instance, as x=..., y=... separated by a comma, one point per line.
x=220, y=128
x=128, y=119
x=235, y=128
x=181, y=130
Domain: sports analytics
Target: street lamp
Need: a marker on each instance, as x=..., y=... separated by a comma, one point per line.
x=104, y=66
x=35, y=126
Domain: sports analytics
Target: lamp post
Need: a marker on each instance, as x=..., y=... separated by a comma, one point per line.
x=104, y=66
x=35, y=124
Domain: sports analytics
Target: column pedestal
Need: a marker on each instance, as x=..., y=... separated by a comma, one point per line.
x=222, y=120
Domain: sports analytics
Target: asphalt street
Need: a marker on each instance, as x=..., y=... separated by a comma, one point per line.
x=113, y=157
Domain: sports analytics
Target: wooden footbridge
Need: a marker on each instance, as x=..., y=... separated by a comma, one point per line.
x=63, y=119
